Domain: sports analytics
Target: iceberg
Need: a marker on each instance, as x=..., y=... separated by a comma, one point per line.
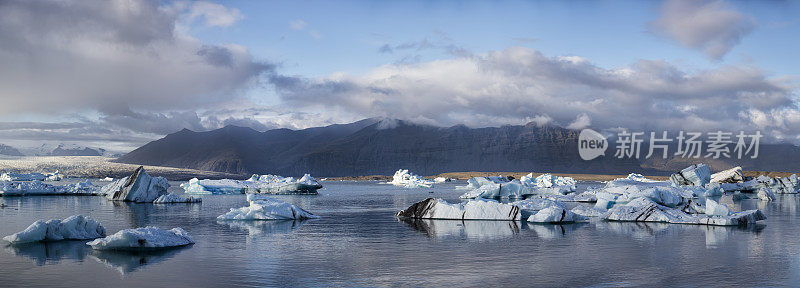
x=567, y=184
x=442, y=180
x=147, y=238
x=263, y=208
x=477, y=182
x=646, y=210
x=765, y=194
x=587, y=211
x=636, y=179
x=432, y=208
x=777, y=185
x=264, y=184
x=36, y=187
x=175, y=198
x=733, y=175
x=31, y=176
x=76, y=227
x=508, y=190
x=406, y=179
x=538, y=210
x=695, y=175
x=139, y=187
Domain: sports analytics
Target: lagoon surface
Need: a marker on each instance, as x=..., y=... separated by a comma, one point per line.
x=359, y=242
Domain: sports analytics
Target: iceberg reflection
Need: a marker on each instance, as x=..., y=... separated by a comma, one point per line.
x=49, y=253
x=262, y=228
x=129, y=261
x=470, y=229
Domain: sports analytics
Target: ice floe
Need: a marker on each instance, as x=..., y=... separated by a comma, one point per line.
x=146, y=238
x=646, y=210
x=76, y=227
x=138, y=187
x=404, y=178
x=31, y=176
x=264, y=184
x=36, y=187
x=175, y=198
x=432, y=208
x=263, y=208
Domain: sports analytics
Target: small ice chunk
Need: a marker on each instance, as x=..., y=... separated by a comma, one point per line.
x=404, y=178
x=147, y=238
x=765, y=194
x=76, y=227
x=715, y=209
x=263, y=208
x=733, y=175
x=175, y=198
x=548, y=180
x=695, y=175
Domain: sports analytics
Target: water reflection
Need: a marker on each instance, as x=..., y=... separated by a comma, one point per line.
x=263, y=228
x=715, y=236
x=553, y=231
x=50, y=253
x=129, y=261
x=473, y=230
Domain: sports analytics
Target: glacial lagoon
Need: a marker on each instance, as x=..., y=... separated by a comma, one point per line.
x=358, y=242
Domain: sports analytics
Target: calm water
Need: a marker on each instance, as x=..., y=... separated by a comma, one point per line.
x=358, y=242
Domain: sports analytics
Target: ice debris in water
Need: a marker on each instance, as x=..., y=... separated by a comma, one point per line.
x=265, y=184
x=36, y=187
x=31, y=176
x=263, y=208
x=175, y=198
x=501, y=188
x=138, y=187
x=147, y=238
x=76, y=227
x=404, y=178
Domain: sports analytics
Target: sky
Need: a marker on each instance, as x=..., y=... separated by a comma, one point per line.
x=118, y=74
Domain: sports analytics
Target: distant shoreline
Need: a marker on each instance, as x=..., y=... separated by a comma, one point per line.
x=101, y=167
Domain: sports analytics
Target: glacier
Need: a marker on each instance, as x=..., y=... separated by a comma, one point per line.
x=264, y=184
x=404, y=178
x=263, y=208
x=147, y=238
x=76, y=227
x=175, y=198
x=138, y=187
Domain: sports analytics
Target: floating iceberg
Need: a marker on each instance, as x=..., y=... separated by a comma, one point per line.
x=263, y=208
x=646, y=210
x=107, y=179
x=733, y=175
x=36, y=187
x=175, y=198
x=31, y=176
x=636, y=179
x=695, y=175
x=777, y=185
x=588, y=211
x=472, y=210
x=507, y=190
x=442, y=180
x=147, y=238
x=264, y=184
x=566, y=184
x=477, y=182
x=406, y=179
x=139, y=187
x=539, y=210
x=77, y=227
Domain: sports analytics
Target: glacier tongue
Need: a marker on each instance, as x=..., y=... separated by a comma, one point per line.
x=76, y=227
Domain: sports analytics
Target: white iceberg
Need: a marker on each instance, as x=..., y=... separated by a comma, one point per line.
x=31, y=176
x=38, y=188
x=264, y=184
x=695, y=175
x=538, y=210
x=646, y=210
x=139, y=187
x=716, y=209
x=477, y=182
x=765, y=194
x=432, y=208
x=76, y=227
x=107, y=179
x=587, y=211
x=404, y=178
x=508, y=190
x=567, y=184
x=733, y=175
x=175, y=198
x=147, y=238
x=636, y=179
x=263, y=208
x=442, y=179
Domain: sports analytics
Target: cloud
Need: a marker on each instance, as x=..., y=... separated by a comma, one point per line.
x=582, y=121
x=116, y=56
x=213, y=14
x=712, y=27
x=517, y=84
x=298, y=24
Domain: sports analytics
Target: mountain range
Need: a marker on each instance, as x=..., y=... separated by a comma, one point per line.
x=381, y=146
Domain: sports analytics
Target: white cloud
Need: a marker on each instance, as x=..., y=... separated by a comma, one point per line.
x=582, y=121
x=712, y=27
x=214, y=14
x=298, y=24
